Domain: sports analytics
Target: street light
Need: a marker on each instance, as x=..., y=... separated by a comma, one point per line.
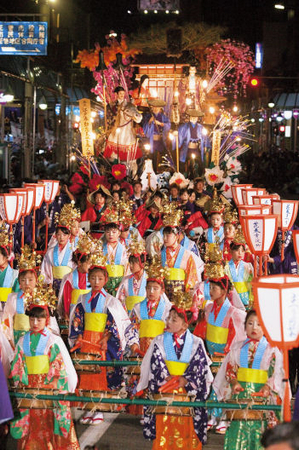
x=271, y=104
x=279, y=6
x=42, y=104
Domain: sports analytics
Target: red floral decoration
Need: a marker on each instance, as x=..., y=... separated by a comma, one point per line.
x=119, y=171
x=97, y=181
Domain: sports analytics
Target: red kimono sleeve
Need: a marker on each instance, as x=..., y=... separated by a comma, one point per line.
x=201, y=329
x=67, y=295
x=89, y=214
x=197, y=220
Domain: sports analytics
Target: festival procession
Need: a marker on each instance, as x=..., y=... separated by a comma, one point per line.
x=149, y=287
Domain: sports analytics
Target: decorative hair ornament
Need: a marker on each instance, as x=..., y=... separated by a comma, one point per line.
x=67, y=216
x=155, y=271
x=28, y=260
x=98, y=259
x=42, y=296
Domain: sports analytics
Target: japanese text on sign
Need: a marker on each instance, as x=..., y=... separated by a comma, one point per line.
x=23, y=38
x=86, y=127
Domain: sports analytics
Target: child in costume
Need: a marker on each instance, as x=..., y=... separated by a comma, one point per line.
x=75, y=230
x=176, y=361
x=8, y=276
x=76, y=282
x=132, y=288
x=252, y=367
x=14, y=321
x=149, y=316
x=97, y=327
x=221, y=326
x=184, y=268
x=58, y=260
x=231, y=220
x=150, y=218
x=240, y=272
x=115, y=251
x=41, y=361
x=215, y=232
x=96, y=214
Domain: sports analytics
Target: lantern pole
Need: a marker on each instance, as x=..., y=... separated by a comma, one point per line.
x=47, y=226
x=282, y=246
x=22, y=231
x=286, y=401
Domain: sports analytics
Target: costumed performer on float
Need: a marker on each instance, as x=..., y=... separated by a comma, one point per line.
x=176, y=362
x=251, y=368
x=122, y=143
x=41, y=361
x=97, y=328
x=156, y=126
x=76, y=282
x=96, y=214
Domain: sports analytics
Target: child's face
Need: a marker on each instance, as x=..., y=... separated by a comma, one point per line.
x=153, y=291
x=216, y=220
x=238, y=255
x=84, y=266
x=37, y=324
x=170, y=239
x=75, y=228
x=135, y=267
x=229, y=231
x=192, y=197
x=185, y=197
x=27, y=282
x=112, y=235
x=174, y=192
x=62, y=238
x=97, y=280
x=253, y=328
x=175, y=324
x=216, y=291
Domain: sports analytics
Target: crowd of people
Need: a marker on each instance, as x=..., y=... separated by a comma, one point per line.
x=158, y=277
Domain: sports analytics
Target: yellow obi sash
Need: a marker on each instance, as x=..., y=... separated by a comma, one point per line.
x=176, y=368
x=252, y=375
x=4, y=293
x=241, y=287
x=37, y=364
x=21, y=322
x=151, y=328
x=216, y=334
x=76, y=294
x=115, y=270
x=60, y=271
x=175, y=274
x=95, y=322
x=132, y=300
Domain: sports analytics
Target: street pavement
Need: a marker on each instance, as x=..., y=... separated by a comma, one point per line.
x=119, y=432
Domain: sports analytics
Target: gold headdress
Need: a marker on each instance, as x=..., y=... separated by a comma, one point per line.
x=112, y=216
x=42, y=296
x=85, y=244
x=136, y=248
x=98, y=259
x=215, y=204
x=214, y=271
x=239, y=238
x=28, y=260
x=4, y=237
x=155, y=270
x=182, y=300
x=231, y=216
x=172, y=216
x=68, y=215
x=213, y=253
